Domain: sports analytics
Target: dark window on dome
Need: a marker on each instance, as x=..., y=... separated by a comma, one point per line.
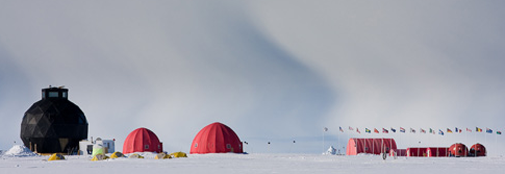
x=53, y=94
x=196, y=144
x=228, y=146
x=146, y=146
x=64, y=94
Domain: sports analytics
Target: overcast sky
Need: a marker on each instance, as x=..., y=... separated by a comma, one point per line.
x=272, y=71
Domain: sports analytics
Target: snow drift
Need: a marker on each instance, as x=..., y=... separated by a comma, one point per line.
x=19, y=151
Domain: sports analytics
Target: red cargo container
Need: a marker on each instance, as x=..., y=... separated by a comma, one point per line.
x=398, y=152
x=370, y=145
x=417, y=151
x=438, y=152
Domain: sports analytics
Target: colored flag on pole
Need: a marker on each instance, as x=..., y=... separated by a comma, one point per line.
x=367, y=130
x=498, y=132
x=449, y=130
x=341, y=130
x=412, y=130
x=325, y=129
x=456, y=129
x=357, y=130
x=423, y=131
x=477, y=129
x=489, y=130
x=440, y=132
x=350, y=128
x=468, y=130
x=432, y=131
x=402, y=130
x=393, y=130
x=385, y=131
x=375, y=130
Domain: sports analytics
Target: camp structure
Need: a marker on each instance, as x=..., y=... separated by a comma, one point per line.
x=437, y=151
x=477, y=150
x=54, y=124
x=86, y=147
x=216, y=138
x=427, y=152
x=117, y=155
x=99, y=157
x=142, y=140
x=98, y=149
x=56, y=156
x=370, y=145
x=134, y=155
x=417, y=152
x=162, y=155
x=458, y=150
x=178, y=155
x=398, y=152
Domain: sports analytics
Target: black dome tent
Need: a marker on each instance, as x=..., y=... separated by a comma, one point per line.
x=54, y=124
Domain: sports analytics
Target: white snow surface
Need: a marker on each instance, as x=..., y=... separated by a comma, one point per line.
x=19, y=151
x=255, y=163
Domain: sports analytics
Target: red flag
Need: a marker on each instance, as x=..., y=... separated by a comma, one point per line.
x=423, y=131
x=375, y=130
x=385, y=131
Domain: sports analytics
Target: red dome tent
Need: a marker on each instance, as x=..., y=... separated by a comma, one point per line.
x=370, y=145
x=216, y=138
x=142, y=140
x=477, y=150
x=458, y=150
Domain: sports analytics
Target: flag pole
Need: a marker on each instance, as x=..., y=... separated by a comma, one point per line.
x=496, y=140
x=338, y=138
x=324, y=130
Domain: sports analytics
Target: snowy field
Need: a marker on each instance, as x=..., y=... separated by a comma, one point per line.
x=254, y=163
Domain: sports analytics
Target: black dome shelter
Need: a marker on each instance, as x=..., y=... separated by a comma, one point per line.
x=54, y=124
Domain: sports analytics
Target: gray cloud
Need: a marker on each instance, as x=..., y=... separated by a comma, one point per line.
x=273, y=71
x=173, y=71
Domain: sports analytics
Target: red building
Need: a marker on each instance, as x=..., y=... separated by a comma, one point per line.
x=398, y=152
x=458, y=150
x=428, y=152
x=370, y=145
x=142, y=140
x=417, y=151
x=437, y=152
x=477, y=150
x=216, y=138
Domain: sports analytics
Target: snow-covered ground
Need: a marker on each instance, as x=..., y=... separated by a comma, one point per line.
x=254, y=163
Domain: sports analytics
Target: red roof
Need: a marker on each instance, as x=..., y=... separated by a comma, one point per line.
x=477, y=150
x=216, y=138
x=142, y=140
x=458, y=150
